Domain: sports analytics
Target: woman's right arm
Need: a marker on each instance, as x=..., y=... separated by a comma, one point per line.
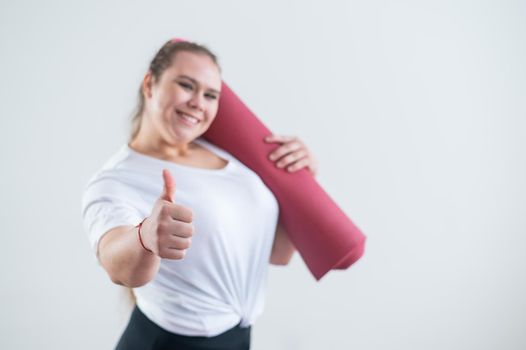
x=166, y=233
x=124, y=259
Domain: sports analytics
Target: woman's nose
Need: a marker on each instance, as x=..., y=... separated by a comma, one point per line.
x=197, y=102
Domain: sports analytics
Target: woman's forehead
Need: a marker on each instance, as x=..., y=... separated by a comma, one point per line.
x=198, y=67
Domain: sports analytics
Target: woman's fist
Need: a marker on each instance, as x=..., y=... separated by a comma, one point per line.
x=168, y=231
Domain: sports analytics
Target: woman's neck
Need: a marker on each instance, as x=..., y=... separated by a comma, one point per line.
x=151, y=143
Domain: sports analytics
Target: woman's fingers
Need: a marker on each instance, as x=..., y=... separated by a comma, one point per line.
x=285, y=149
x=178, y=212
x=174, y=254
x=279, y=138
x=300, y=164
x=291, y=158
x=292, y=155
x=174, y=243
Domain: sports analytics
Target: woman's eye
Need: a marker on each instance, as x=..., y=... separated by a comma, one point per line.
x=185, y=86
x=211, y=97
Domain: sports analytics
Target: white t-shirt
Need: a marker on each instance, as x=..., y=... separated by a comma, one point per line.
x=221, y=280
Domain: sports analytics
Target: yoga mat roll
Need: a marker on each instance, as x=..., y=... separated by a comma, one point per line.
x=323, y=235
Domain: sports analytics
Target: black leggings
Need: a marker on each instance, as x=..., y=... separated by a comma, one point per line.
x=141, y=333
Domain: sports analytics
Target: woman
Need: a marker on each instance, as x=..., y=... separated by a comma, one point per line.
x=181, y=221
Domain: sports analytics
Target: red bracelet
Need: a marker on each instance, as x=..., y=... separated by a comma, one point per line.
x=139, y=234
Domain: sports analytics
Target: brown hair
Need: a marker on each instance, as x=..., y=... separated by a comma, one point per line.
x=160, y=62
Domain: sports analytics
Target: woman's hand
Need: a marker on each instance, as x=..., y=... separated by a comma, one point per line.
x=169, y=229
x=292, y=155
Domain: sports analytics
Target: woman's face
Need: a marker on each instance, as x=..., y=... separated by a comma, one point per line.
x=183, y=103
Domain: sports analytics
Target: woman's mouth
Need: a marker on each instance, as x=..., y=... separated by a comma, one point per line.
x=187, y=119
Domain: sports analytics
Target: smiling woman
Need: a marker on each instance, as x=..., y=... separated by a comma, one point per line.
x=195, y=252
x=182, y=97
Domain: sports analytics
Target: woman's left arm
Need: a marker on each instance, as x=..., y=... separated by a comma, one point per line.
x=292, y=155
x=282, y=248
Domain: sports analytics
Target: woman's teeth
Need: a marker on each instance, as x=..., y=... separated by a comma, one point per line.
x=189, y=118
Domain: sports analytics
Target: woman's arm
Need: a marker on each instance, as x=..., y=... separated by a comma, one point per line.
x=282, y=248
x=125, y=260
x=292, y=155
x=166, y=233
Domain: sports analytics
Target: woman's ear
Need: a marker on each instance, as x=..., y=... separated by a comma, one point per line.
x=147, y=82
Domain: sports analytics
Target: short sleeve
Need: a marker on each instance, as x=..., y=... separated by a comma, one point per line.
x=107, y=203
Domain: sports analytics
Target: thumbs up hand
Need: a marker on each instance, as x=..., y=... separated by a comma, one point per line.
x=168, y=230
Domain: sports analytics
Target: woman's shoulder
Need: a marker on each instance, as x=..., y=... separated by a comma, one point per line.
x=116, y=172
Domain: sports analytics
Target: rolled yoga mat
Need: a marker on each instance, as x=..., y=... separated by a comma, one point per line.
x=321, y=232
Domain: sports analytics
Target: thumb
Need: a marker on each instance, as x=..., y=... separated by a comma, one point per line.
x=169, y=186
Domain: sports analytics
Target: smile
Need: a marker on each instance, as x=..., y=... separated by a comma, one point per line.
x=188, y=118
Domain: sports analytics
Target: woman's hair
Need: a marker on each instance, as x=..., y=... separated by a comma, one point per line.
x=160, y=62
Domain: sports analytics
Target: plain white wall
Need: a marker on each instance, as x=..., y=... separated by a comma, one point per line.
x=415, y=109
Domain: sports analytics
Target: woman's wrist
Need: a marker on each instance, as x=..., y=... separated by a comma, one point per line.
x=139, y=235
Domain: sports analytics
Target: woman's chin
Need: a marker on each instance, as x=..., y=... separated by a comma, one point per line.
x=180, y=137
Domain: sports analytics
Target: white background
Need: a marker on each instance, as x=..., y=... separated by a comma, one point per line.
x=415, y=109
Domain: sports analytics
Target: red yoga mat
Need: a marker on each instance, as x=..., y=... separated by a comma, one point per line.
x=321, y=232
